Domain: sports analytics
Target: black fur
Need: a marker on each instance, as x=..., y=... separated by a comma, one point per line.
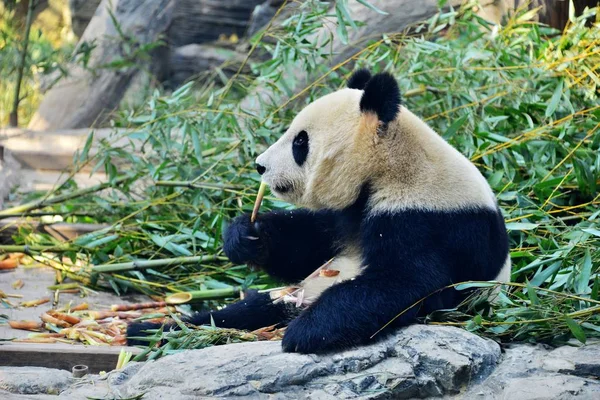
x=359, y=79
x=255, y=311
x=300, y=147
x=381, y=96
x=409, y=255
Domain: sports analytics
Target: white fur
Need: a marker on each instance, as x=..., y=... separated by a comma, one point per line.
x=349, y=265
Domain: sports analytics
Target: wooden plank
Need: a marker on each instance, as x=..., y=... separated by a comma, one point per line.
x=61, y=356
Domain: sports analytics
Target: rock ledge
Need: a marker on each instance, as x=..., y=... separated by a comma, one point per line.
x=418, y=361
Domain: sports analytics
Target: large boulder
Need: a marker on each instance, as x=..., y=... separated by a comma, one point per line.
x=419, y=361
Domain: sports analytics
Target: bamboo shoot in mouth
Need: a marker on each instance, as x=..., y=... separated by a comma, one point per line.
x=258, y=202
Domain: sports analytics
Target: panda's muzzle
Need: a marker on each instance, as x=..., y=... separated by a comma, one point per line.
x=282, y=188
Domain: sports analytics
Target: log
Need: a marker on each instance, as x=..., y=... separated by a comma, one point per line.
x=87, y=96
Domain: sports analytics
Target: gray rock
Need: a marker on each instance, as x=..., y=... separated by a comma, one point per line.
x=538, y=373
x=579, y=361
x=418, y=361
x=33, y=380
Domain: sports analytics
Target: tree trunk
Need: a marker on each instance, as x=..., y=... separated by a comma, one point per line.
x=88, y=95
x=555, y=13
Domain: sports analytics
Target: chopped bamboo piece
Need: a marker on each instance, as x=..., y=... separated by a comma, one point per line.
x=80, y=307
x=65, y=317
x=34, y=303
x=138, y=306
x=258, y=202
x=55, y=321
x=7, y=295
x=9, y=263
x=26, y=325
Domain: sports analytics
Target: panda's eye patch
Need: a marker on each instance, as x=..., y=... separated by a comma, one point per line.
x=301, y=139
x=300, y=147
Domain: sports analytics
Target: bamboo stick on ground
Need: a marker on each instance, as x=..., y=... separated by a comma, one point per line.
x=25, y=325
x=34, y=303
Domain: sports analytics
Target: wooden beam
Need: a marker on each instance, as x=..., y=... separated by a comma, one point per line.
x=61, y=356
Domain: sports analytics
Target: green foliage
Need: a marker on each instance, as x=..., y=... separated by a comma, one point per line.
x=519, y=100
x=44, y=57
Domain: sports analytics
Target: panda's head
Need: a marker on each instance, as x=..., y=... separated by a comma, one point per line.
x=327, y=154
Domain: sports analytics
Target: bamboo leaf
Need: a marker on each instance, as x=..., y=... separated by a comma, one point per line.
x=575, y=329
x=372, y=7
x=553, y=104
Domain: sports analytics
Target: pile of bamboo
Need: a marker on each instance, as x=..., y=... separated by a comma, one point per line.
x=92, y=327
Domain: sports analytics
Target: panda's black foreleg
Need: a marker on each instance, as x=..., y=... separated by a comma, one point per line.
x=288, y=245
x=351, y=312
x=255, y=311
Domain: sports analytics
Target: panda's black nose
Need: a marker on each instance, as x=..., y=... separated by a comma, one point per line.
x=261, y=170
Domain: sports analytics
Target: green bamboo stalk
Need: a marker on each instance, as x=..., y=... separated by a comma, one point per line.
x=190, y=184
x=14, y=248
x=143, y=264
x=41, y=203
x=200, y=295
x=210, y=294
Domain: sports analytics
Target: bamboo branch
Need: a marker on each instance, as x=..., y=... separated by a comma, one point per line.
x=27, y=249
x=190, y=184
x=143, y=264
x=41, y=203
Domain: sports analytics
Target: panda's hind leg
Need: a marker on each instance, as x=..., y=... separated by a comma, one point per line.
x=257, y=310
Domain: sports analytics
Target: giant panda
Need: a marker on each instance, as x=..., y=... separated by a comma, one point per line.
x=401, y=213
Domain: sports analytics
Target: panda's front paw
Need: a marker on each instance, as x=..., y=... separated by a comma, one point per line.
x=305, y=336
x=242, y=241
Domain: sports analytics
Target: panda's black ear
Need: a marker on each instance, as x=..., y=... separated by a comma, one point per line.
x=359, y=79
x=381, y=96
